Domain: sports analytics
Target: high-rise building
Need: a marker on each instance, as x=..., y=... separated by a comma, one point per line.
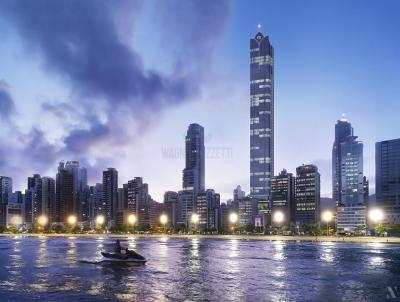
x=80, y=189
x=5, y=194
x=110, y=194
x=207, y=204
x=171, y=207
x=35, y=186
x=348, y=179
x=282, y=196
x=48, y=198
x=343, y=130
x=247, y=211
x=351, y=164
x=194, y=172
x=307, y=195
x=238, y=193
x=261, y=116
x=139, y=200
x=186, y=200
x=95, y=202
x=387, y=177
x=65, y=202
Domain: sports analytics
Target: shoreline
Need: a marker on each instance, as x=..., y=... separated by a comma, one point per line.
x=390, y=240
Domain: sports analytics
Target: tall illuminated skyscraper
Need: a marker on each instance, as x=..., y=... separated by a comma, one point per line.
x=261, y=116
x=343, y=129
x=193, y=174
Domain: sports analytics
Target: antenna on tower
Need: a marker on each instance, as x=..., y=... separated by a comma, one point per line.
x=343, y=119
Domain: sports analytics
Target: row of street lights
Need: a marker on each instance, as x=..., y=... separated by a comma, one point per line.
x=375, y=215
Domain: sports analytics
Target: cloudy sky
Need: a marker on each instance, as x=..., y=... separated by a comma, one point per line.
x=116, y=83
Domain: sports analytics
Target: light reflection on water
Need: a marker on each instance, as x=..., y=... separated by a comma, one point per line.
x=196, y=269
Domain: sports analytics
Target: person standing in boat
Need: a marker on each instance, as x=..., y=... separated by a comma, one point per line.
x=118, y=248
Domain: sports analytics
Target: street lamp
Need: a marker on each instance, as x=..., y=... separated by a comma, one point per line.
x=164, y=220
x=279, y=217
x=233, y=218
x=195, y=219
x=132, y=219
x=327, y=216
x=72, y=220
x=100, y=220
x=43, y=220
x=376, y=215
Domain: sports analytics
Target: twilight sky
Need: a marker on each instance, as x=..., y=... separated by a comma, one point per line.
x=116, y=83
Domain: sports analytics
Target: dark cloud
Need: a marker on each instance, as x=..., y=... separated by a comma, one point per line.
x=6, y=102
x=82, y=43
x=79, y=140
x=79, y=41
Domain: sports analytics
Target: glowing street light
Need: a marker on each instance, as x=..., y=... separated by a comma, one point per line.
x=233, y=218
x=327, y=217
x=278, y=217
x=376, y=215
x=43, y=220
x=195, y=219
x=132, y=219
x=100, y=220
x=164, y=219
x=72, y=220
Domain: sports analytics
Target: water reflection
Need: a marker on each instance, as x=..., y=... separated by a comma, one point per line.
x=327, y=252
x=197, y=270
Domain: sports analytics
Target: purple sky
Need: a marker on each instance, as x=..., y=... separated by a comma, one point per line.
x=117, y=83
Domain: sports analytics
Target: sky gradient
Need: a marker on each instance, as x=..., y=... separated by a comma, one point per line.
x=116, y=84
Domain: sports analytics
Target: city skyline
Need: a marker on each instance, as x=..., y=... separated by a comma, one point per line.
x=46, y=118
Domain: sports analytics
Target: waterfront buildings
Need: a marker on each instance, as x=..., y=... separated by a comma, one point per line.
x=351, y=219
x=48, y=197
x=207, y=205
x=194, y=172
x=139, y=200
x=65, y=202
x=193, y=181
x=261, y=116
x=307, y=195
x=282, y=196
x=247, y=211
x=387, y=177
x=35, y=186
x=343, y=129
x=5, y=194
x=110, y=194
x=349, y=183
x=172, y=207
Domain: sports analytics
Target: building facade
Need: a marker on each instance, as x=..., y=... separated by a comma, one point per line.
x=5, y=194
x=351, y=219
x=387, y=177
x=110, y=194
x=282, y=196
x=207, y=204
x=343, y=129
x=352, y=173
x=171, y=207
x=307, y=195
x=247, y=211
x=261, y=116
x=194, y=172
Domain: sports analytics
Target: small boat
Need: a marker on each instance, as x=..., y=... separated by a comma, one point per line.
x=129, y=257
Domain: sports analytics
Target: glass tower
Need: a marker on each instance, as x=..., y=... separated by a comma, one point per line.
x=343, y=129
x=193, y=174
x=387, y=164
x=352, y=182
x=261, y=116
